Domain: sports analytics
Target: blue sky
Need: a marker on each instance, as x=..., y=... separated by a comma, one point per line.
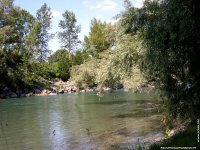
x=85, y=11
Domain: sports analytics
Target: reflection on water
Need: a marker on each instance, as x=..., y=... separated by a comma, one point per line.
x=78, y=121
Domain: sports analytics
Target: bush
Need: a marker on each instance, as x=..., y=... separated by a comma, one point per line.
x=113, y=67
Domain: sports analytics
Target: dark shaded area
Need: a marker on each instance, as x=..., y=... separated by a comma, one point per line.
x=131, y=102
x=170, y=31
x=137, y=114
x=107, y=102
x=187, y=138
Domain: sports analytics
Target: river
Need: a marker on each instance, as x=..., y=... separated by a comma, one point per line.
x=79, y=121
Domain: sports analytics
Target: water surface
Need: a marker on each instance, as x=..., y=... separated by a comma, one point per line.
x=78, y=121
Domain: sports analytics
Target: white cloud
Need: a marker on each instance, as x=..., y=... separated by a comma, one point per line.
x=86, y=2
x=104, y=5
x=138, y=3
x=55, y=13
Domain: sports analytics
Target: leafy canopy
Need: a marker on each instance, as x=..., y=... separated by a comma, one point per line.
x=69, y=36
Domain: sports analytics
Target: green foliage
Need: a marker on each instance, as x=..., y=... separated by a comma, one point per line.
x=60, y=63
x=159, y=41
x=63, y=69
x=170, y=31
x=60, y=54
x=119, y=65
x=21, y=36
x=187, y=138
x=45, y=70
x=44, y=18
x=116, y=58
x=32, y=42
x=23, y=41
x=84, y=74
x=79, y=57
x=15, y=26
x=62, y=60
x=98, y=40
x=110, y=68
x=69, y=36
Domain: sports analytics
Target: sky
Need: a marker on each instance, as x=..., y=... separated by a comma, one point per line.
x=85, y=11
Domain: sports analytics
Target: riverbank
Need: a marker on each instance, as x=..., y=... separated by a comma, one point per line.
x=123, y=133
x=49, y=88
x=45, y=89
x=186, y=137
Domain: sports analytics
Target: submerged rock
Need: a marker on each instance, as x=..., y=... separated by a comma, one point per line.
x=37, y=91
x=12, y=95
x=29, y=94
x=61, y=91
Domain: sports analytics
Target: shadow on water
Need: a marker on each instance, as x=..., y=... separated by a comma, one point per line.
x=111, y=102
x=136, y=114
x=77, y=121
x=106, y=102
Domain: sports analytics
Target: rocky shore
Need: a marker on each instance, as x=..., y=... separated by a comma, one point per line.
x=58, y=87
x=55, y=88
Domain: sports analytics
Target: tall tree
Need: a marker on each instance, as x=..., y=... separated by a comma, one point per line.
x=44, y=18
x=32, y=41
x=97, y=41
x=69, y=35
x=8, y=19
x=171, y=34
x=59, y=55
x=60, y=61
x=15, y=26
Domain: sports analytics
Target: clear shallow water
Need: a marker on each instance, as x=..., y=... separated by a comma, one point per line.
x=78, y=121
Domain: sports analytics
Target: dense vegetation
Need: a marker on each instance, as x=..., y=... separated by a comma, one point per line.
x=158, y=42
x=187, y=138
x=171, y=35
x=24, y=52
x=117, y=65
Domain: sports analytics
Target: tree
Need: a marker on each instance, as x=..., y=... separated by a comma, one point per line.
x=8, y=31
x=15, y=26
x=44, y=18
x=32, y=41
x=79, y=57
x=63, y=69
x=97, y=41
x=171, y=33
x=69, y=36
x=60, y=54
x=61, y=64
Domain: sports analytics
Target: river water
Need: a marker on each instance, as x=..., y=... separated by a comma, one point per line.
x=79, y=121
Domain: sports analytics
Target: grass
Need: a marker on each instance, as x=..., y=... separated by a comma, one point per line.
x=129, y=146
x=187, y=138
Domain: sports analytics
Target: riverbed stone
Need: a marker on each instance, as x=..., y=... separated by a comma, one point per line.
x=37, y=91
x=12, y=95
